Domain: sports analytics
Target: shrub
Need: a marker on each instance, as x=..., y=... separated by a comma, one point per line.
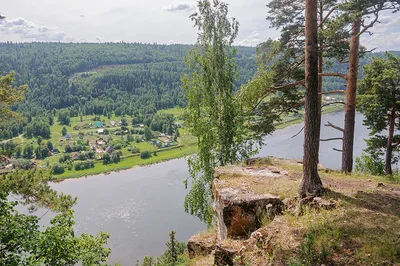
x=370, y=164
x=21, y=164
x=145, y=154
x=64, y=158
x=135, y=150
x=58, y=169
x=83, y=165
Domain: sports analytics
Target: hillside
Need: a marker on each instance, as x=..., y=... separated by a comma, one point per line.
x=129, y=76
x=106, y=77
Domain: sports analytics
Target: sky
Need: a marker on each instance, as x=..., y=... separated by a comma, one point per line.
x=147, y=21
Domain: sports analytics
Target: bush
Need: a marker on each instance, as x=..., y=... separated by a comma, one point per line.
x=21, y=164
x=64, y=158
x=58, y=169
x=83, y=165
x=135, y=149
x=114, y=157
x=370, y=164
x=145, y=154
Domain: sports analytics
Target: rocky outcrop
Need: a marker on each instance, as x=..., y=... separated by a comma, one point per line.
x=201, y=244
x=240, y=211
x=226, y=255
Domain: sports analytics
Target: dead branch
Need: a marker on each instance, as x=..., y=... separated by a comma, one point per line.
x=367, y=51
x=334, y=126
x=327, y=16
x=298, y=132
x=331, y=139
x=326, y=104
x=343, y=76
x=289, y=85
x=331, y=92
x=370, y=24
x=337, y=150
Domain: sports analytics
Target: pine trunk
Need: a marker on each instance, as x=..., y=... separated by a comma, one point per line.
x=350, y=107
x=311, y=182
x=389, y=145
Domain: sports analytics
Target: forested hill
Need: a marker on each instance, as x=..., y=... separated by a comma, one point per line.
x=125, y=78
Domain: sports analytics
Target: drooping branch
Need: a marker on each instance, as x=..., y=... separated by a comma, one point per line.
x=334, y=126
x=331, y=139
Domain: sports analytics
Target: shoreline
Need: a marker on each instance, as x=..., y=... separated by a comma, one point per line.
x=185, y=153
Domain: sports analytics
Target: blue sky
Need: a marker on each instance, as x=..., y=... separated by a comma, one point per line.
x=160, y=21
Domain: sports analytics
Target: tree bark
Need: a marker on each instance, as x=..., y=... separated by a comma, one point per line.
x=350, y=107
x=320, y=67
x=389, y=145
x=311, y=182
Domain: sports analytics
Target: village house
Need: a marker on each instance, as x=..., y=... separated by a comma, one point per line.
x=109, y=149
x=98, y=124
x=100, y=131
x=75, y=156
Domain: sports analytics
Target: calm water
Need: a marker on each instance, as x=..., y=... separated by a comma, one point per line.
x=140, y=206
x=281, y=144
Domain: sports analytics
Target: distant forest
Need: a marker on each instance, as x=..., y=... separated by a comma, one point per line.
x=127, y=78
x=102, y=78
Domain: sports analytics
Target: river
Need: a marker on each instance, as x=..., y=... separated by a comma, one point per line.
x=140, y=206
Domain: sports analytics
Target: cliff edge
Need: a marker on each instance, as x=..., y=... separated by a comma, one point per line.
x=260, y=220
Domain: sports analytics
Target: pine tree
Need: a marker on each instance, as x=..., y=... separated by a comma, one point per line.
x=311, y=182
x=379, y=101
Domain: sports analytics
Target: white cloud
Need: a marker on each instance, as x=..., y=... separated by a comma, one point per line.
x=385, y=35
x=100, y=39
x=251, y=40
x=26, y=29
x=180, y=7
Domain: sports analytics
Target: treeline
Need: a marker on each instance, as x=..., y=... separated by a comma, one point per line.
x=139, y=77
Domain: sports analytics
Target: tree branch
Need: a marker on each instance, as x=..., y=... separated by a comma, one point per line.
x=370, y=24
x=333, y=126
x=337, y=150
x=332, y=103
x=298, y=132
x=331, y=139
x=293, y=84
x=331, y=92
x=327, y=16
x=343, y=76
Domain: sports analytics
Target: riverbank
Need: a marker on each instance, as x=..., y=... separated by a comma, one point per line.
x=129, y=162
x=188, y=148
